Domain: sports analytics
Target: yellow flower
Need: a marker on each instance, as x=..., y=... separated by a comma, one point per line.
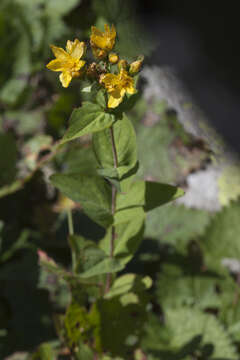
x=117, y=86
x=102, y=41
x=68, y=62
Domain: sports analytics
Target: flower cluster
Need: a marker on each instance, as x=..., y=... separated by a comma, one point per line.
x=110, y=72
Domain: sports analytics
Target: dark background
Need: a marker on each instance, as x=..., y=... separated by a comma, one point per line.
x=200, y=40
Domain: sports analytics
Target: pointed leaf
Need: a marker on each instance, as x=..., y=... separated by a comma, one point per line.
x=157, y=194
x=148, y=194
x=125, y=142
x=87, y=119
x=92, y=192
x=107, y=265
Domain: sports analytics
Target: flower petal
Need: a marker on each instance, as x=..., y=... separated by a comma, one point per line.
x=103, y=40
x=77, y=49
x=109, y=79
x=131, y=90
x=96, y=32
x=69, y=46
x=113, y=32
x=115, y=98
x=60, y=53
x=56, y=65
x=65, y=78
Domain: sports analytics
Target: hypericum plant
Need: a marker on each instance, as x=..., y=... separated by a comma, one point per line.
x=107, y=312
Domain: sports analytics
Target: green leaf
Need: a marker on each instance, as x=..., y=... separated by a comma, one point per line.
x=221, y=240
x=92, y=192
x=125, y=143
x=88, y=119
x=129, y=282
x=148, y=194
x=89, y=260
x=84, y=352
x=107, y=265
x=164, y=136
x=101, y=98
x=176, y=224
x=77, y=324
x=80, y=159
x=129, y=227
x=78, y=245
x=115, y=324
x=177, y=287
x=157, y=194
x=44, y=352
x=111, y=175
x=187, y=333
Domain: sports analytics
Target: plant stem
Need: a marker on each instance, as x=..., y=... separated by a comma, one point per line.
x=70, y=222
x=114, y=194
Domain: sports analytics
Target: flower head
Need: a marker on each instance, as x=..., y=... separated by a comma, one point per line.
x=117, y=86
x=102, y=41
x=68, y=62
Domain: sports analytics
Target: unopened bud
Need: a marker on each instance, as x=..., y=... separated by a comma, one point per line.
x=136, y=66
x=122, y=64
x=99, y=53
x=113, y=58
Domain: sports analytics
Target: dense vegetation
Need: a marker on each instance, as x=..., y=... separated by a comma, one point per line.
x=191, y=311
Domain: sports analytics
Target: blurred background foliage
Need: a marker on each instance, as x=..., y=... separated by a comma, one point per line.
x=191, y=253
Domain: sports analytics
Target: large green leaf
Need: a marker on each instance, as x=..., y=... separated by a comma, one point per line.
x=188, y=333
x=177, y=287
x=148, y=194
x=88, y=119
x=116, y=324
x=221, y=240
x=176, y=225
x=125, y=143
x=92, y=192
